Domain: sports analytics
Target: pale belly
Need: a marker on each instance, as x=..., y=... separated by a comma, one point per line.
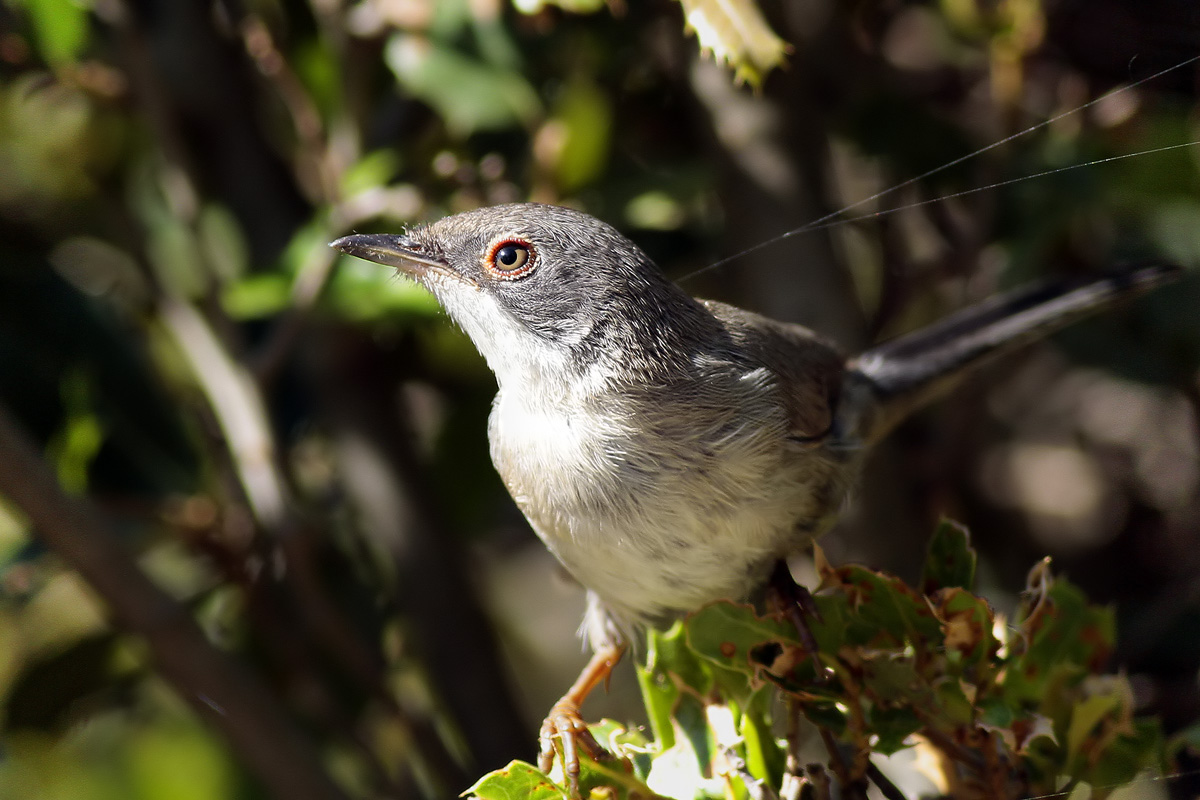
x=664, y=519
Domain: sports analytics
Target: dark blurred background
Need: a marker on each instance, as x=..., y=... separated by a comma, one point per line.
x=292, y=446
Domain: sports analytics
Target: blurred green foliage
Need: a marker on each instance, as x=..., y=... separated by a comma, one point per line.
x=293, y=444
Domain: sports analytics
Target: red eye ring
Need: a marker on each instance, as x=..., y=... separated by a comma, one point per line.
x=509, y=259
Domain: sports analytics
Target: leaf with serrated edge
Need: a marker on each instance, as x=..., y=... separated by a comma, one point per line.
x=517, y=781
x=736, y=34
x=949, y=559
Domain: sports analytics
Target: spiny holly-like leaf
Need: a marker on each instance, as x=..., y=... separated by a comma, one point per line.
x=736, y=34
x=886, y=611
x=896, y=665
x=893, y=726
x=966, y=622
x=516, y=781
x=949, y=560
x=731, y=636
x=1061, y=637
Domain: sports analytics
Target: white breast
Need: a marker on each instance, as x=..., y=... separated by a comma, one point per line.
x=690, y=505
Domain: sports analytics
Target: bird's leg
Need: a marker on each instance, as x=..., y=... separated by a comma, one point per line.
x=798, y=604
x=566, y=724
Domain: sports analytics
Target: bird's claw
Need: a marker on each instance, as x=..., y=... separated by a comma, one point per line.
x=566, y=725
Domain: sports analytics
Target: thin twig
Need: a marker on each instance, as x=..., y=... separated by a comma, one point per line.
x=882, y=782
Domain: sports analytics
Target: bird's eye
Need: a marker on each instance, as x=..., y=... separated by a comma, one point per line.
x=509, y=259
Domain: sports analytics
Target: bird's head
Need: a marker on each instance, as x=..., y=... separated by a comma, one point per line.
x=536, y=287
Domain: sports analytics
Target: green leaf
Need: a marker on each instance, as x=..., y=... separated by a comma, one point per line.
x=257, y=296
x=470, y=95
x=1126, y=755
x=631, y=744
x=950, y=704
x=362, y=290
x=892, y=726
x=583, y=112
x=517, y=781
x=765, y=758
x=671, y=667
x=79, y=441
x=180, y=761
x=61, y=29
x=900, y=664
x=220, y=238
x=1086, y=718
x=949, y=561
x=1062, y=637
x=613, y=780
x=672, y=656
x=826, y=715
x=891, y=676
x=967, y=623
x=733, y=637
x=886, y=611
x=375, y=169
x=659, y=695
x=684, y=770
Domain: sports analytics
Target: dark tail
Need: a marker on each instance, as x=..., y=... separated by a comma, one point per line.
x=899, y=376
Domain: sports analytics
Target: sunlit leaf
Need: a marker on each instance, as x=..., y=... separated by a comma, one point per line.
x=765, y=758
x=61, y=27
x=79, y=440
x=517, y=781
x=737, y=35
x=682, y=770
x=182, y=762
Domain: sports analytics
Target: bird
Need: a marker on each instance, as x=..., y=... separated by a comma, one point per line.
x=670, y=451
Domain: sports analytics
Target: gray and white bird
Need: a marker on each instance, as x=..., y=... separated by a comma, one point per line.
x=668, y=450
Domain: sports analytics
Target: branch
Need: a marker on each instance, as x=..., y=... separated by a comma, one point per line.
x=217, y=688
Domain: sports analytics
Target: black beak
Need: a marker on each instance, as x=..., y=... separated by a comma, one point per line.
x=392, y=250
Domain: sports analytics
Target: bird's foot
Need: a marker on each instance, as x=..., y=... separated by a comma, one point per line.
x=565, y=725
